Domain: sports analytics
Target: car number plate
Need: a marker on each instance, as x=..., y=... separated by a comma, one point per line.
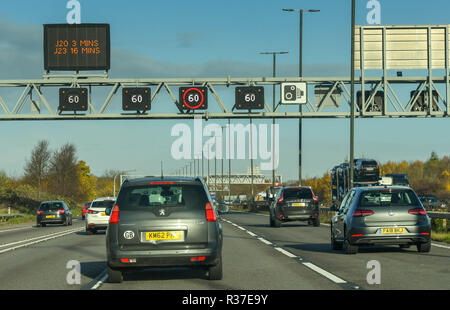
x=103, y=214
x=50, y=216
x=163, y=235
x=298, y=204
x=393, y=230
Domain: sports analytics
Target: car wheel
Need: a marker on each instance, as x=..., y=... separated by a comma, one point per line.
x=335, y=245
x=66, y=223
x=272, y=223
x=349, y=248
x=88, y=231
x=316, y=222
x=114, y=275
x=276, y=222
x=215, y=272
x=424, y=247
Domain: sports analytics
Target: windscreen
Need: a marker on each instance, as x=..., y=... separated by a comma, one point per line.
x=51, y=206
x=369, y=163
x=102, y=204
x=388, y=198
x=297, y=193
x=149, y=196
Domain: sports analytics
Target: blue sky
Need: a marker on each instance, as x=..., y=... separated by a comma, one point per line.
x=216, y=39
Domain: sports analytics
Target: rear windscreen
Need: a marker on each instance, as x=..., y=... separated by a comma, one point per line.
x=148, y=196
x=388, y=197
x=369, y=163
x=51, y=206
x=297, y=193
x=102, y=204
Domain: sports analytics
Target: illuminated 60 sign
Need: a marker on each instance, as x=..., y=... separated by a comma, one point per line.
x=193, y=98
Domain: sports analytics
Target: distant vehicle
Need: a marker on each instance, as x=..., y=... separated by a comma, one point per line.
x=96, y=217
x=366, y=170
x=399, y=179
x=85, y=207
x=380, y=215
x=430, y=201
x=53, y=212
x=294, y=204
x=164, y=222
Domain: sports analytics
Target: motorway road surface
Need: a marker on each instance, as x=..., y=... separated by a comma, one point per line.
x=255, y=257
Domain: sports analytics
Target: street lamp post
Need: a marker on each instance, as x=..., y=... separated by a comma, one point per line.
x=300, y=74
x=273, y=109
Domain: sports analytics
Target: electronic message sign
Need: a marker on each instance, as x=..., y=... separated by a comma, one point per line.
x=76, y=47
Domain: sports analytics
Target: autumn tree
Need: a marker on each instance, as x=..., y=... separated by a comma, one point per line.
x=86, y=182
x=36, y=168
x=63, y=176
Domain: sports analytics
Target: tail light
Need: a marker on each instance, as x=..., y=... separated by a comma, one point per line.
x=417, y=211
x=92, y=212
x=316, y=200
x=210, y=214
x=359, y=213
x=40, y=211
x=61, y=211
x=362, y=168
x=114, y=218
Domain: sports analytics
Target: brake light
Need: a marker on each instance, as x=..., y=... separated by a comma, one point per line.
x=61, y=211
x=316, y=200
x=210, y=214
x=40, y=211
x=357, y=235
x=359, y=213
x=161, y=182
x=417, y=211
x=362, y=168
x=92, y=212
x=114, y=218
x=198, y=259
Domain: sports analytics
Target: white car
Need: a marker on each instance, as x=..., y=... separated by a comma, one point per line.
x=96, y=217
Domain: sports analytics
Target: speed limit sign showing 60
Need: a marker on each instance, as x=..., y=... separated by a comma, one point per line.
x=193, y=98
x=73, y=99
x=249, y=97
x=136, y=99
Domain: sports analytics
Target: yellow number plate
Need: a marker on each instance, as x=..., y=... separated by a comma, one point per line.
x=50, y=216
x=163, y=235
x=103, y=214
x=298, y=204
x=393, y=230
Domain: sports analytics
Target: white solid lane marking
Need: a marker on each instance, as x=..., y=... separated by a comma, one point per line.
x=264, y=240
x=289, y=254
x=241, y=228
x=440, y=246
x=101, y=281
x=325, y=273
x=45, y=238
x=13, y=229
x=35, y=238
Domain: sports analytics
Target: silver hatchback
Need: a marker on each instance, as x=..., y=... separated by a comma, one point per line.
x=380, y=216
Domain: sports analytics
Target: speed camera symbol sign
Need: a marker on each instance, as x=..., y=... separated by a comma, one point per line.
x=293, y=93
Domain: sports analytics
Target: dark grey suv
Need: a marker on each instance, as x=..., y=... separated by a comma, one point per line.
x=53, y=212
x=164, y=222
x=294, y=203
x=380, y=215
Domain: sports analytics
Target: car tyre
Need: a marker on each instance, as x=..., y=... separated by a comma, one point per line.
x=424, y=247
x=215, y=272
x=349, y=248
x=316, y=222
x=88, y=231
x=276, y=222
x=272, y=223
x=335, y=245
x=114, y=275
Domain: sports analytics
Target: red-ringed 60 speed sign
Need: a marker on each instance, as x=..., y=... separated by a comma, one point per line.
x=193, y=98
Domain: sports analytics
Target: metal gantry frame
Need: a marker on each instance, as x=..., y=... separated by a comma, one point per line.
x=392, y=106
